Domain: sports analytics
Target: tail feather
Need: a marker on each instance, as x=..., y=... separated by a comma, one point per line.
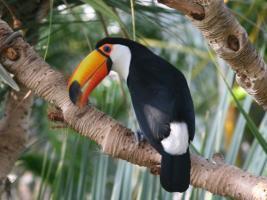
x=175, y=172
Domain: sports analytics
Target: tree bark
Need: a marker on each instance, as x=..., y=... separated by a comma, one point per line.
x=116, y=140
x=15, y=123
x=230, y=42
x=13, y=131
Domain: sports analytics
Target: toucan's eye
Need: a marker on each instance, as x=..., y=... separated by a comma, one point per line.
x=107, y=49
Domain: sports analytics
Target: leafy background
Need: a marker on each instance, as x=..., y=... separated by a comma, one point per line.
x=60, y=164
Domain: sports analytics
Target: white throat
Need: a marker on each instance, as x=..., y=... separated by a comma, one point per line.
x=121, y=58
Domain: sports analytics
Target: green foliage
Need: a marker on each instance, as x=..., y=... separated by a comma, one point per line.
x=67, y=166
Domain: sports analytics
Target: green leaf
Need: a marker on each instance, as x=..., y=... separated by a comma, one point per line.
x=256, y=158
x=238, y=133
x=103, y=8
x=251, y=125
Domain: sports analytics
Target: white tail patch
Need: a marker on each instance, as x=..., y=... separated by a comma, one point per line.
x=177, y=142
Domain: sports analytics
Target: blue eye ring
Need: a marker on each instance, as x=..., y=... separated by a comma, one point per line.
x=106, y=48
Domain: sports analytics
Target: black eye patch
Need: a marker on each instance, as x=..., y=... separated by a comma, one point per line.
x=107, y=49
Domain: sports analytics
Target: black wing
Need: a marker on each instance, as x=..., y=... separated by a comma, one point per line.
x=160, y=95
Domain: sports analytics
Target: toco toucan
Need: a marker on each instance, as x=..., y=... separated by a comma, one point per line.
x=160, y=96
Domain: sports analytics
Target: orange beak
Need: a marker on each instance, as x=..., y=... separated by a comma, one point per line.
x=88, y=74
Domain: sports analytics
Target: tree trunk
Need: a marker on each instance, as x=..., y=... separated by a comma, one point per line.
x=13, y=130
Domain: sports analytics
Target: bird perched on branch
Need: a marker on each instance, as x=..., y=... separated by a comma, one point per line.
x=160, y=96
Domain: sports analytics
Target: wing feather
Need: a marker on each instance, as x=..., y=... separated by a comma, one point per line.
x=160, y=95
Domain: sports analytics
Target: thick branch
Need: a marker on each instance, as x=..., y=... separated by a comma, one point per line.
x=187, y=7
x=230, y=41
x=116, y=140
x=14, y=125
x=13, y=130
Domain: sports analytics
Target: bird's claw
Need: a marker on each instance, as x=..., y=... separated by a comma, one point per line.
x=139, y=137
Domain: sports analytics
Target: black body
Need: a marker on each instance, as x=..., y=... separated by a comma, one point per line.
x=160, y=96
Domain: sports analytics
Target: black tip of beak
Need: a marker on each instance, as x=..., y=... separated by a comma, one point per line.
x=74, y=91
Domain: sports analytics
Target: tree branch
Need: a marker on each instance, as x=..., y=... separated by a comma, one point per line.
x=116, y=140
x=187, y=7
x=13, y=130
x=15, y=123
x=230, y=41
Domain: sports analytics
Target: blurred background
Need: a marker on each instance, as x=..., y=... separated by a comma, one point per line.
x=60, y=164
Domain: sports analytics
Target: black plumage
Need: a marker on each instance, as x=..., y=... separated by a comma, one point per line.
x=160, y=96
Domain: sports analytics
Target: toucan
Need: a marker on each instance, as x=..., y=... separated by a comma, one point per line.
x=160, y=97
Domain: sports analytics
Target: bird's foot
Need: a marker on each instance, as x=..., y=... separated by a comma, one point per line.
x=139, y=137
